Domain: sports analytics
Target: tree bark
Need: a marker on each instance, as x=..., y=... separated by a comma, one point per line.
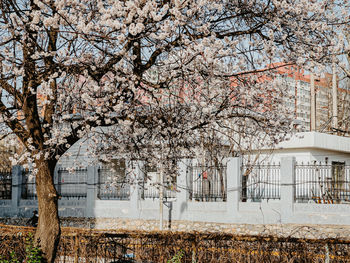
x=48, y=231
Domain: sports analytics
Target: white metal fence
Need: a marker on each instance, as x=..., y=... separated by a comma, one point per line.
x=316, y=183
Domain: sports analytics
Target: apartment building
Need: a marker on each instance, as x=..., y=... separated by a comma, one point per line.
x=299, y=99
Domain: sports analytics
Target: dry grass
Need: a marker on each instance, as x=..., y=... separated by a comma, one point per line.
x=94, y=245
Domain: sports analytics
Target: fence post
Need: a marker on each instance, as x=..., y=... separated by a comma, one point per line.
x=287, y=188
x=16, y=188
x=182, y=191
x=135, y=188
x=91, y=190
x=233, y=174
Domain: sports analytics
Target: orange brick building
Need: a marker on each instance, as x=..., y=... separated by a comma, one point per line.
x=299, y=89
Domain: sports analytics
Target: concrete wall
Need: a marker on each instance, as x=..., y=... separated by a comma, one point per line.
x=284, y=211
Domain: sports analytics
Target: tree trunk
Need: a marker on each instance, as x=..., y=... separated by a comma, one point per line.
x=48, y=231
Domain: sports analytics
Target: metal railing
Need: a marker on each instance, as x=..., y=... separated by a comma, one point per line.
x=208, y=183
x=28, y=189
x=151, y=190
x=71, y=184
x=262, y=181
x=113, y=184
x=5, y=184
x=150, y=185
x=322, y=183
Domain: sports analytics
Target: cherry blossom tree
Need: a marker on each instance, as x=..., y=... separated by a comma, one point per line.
x=154, y=80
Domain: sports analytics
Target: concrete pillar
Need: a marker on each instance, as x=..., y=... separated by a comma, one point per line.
x=91, y=190
x=135, y=188
x=182, y=194
x=287, y=188
x=233, y=185
x=16, y=189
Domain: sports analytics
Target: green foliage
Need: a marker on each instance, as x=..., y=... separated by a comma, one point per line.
x=177, y=257
x=13, y=258
x=33, y=253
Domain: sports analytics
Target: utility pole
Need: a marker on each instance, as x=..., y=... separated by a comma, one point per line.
x=335, y=98
x=161, y=194
x=312, y=103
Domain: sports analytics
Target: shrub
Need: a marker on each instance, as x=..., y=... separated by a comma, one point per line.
x=177, y=257
x=33, y=253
